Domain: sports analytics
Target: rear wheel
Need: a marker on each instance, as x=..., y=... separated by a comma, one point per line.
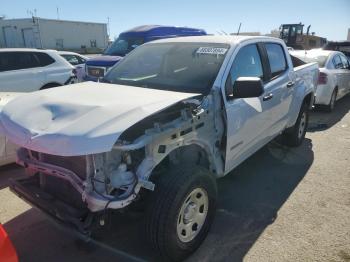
x=181, y=211
x=295, y=135
x=331, y=105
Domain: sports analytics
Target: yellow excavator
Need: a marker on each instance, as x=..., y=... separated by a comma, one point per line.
x=294, y=37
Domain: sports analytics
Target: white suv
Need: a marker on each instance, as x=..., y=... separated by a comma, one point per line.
x=26, y=70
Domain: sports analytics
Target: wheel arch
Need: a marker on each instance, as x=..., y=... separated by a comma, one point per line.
x=309, y=100
x=194, y=153
x=50, y=85
x=336, y=89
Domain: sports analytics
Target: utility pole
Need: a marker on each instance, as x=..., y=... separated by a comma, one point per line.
x=58, y=13
x=108, y=27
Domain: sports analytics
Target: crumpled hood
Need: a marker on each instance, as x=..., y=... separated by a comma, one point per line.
x=80, y=119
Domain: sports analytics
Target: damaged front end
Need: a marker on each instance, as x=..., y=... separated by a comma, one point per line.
x=75, y=189
x=102, y=180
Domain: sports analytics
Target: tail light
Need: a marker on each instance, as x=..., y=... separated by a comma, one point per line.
x=322, y=78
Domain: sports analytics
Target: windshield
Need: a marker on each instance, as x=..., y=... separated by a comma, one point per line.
x=123, y=45
x=181, y=67
x=309, y=58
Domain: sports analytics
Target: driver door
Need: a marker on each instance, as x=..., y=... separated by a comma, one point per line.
x=247, y=118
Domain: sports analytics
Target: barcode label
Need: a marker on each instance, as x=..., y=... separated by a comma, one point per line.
x=212, y=50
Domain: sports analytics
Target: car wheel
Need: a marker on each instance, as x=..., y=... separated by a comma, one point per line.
x=181, y=211
x=331, y=105
x=295, y=135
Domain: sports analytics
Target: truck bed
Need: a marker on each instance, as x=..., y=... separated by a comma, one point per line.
x=309, y=74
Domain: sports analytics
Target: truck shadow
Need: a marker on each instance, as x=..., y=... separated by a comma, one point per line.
x=249, y=200
x=321, y=120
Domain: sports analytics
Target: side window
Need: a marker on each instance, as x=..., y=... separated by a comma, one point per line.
x=17, y=60
x=72, y=59
x=345, y=61
x=7, y=62
x=277, y=59
x=337, y=62
x=25, y=60
x=44, y=59
x=80, y=60
x=246, y=64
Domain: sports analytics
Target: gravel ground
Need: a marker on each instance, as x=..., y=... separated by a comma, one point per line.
x=280, y=205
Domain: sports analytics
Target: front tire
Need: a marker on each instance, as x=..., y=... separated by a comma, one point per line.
x=181, y=211
x=295, y=135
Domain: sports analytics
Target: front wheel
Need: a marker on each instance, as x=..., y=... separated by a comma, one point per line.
x=295, y=135
x=181, y=211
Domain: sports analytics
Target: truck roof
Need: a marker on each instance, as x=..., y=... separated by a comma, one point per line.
x=161, y=30
x=147, y=28
x=142, y=28
x=231, y=40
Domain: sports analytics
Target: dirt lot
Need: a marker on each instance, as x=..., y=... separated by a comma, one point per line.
x=280, y=205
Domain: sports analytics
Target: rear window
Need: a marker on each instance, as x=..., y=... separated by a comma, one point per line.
x=312, y=58
x=296, y=61
x=345, y=61
x=276, y=58
x=44, y=59
x=337, y=62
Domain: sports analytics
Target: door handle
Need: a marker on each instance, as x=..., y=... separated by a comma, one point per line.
x=290, y=84
x=268, y=97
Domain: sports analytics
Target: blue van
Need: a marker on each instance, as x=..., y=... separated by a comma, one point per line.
x=97, y=67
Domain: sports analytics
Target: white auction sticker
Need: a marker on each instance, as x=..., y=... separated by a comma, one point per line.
x=212, y=50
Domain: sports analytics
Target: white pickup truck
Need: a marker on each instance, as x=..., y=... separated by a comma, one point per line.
x=171, y=117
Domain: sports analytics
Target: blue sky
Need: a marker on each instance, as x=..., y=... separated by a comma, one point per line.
x=328, y=18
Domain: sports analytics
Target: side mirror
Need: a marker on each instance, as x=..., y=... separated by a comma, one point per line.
x=245, y=87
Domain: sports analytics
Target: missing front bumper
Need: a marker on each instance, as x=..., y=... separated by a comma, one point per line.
x=94, y=202
x=81, y=219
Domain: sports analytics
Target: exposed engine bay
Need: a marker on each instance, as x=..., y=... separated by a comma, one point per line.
x=112, y=180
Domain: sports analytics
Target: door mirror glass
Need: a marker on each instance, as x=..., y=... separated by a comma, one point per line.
x=245, y=87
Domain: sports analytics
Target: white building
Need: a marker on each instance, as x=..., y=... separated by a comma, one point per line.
x=53, y=34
